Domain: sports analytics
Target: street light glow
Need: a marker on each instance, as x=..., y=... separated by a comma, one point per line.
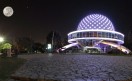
x=1, y=39
x=49, y=46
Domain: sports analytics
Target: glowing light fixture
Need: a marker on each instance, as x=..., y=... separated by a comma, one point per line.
x=1, y=39
x=96, y=30
x=49, y=46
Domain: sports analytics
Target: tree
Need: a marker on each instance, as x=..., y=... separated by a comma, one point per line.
x=38, y=47
x=56, y=38
x=65, y=41
x=6, y=48
x=24, y=44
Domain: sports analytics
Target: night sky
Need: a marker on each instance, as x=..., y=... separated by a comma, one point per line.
x=36, y=18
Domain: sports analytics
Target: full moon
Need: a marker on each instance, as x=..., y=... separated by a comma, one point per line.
x=8, y=11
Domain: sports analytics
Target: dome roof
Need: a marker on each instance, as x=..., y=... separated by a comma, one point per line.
x=95, y=22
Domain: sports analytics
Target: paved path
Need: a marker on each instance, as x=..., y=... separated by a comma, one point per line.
x=76, y=67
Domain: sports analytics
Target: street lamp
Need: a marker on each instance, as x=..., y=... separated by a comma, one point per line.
x=1, y=39
x=49, y=48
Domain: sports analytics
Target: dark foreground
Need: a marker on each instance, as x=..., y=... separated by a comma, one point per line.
x=78, y=67
x=8, y=66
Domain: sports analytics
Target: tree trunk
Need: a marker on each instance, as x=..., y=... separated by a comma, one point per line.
x=8, y=52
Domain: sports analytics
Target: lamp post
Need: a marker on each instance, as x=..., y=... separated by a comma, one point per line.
x=52, y=41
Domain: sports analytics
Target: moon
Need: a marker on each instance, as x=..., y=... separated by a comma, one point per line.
x=8, y=11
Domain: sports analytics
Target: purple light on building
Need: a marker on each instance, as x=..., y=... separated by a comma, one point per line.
x=96, y=21
x=96, y=31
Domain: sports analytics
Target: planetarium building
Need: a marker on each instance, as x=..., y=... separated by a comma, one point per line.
x=96, y=33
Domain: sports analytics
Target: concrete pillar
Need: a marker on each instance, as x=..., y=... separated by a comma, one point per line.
x=8, y=52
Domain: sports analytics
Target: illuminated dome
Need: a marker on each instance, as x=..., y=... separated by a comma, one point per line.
x=95, y=22
x=95, y=34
